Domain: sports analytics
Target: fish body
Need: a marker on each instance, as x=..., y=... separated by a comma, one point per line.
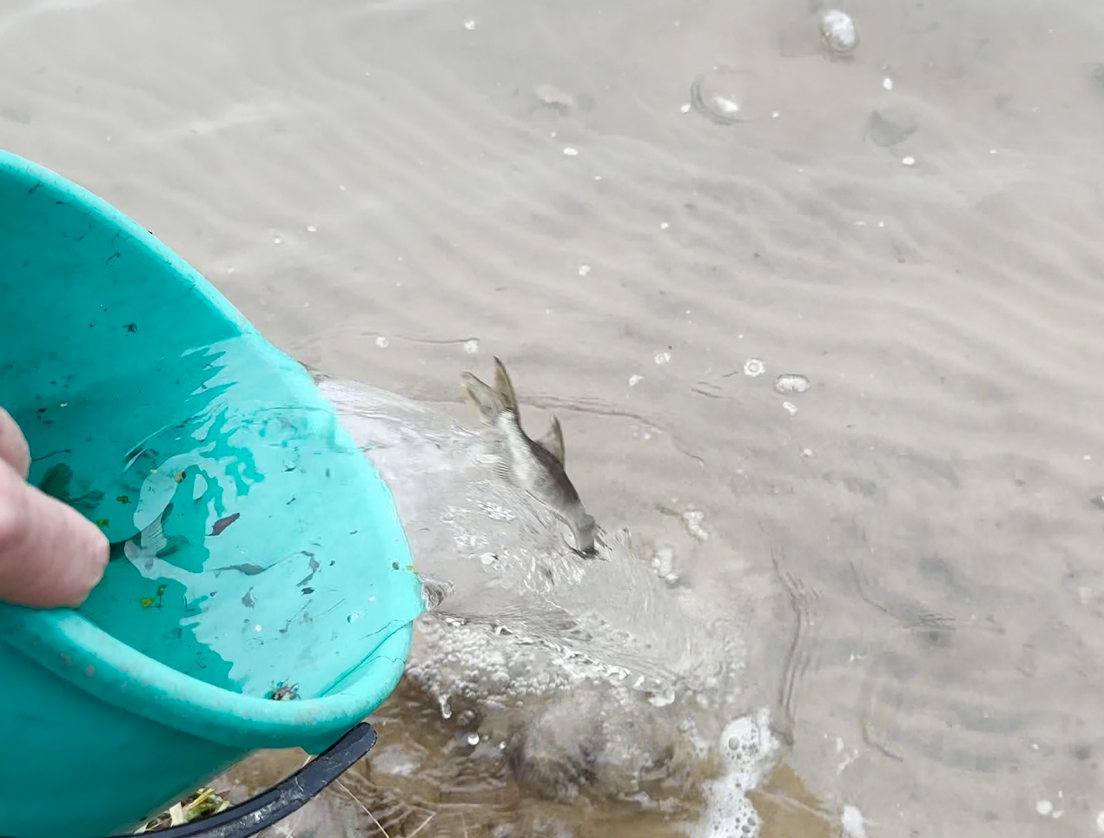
x=537, y=466
x=152, y=536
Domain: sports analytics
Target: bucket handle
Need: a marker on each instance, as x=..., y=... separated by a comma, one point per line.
x=263, y=810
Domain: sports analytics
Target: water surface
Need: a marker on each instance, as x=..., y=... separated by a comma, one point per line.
x=393, y=191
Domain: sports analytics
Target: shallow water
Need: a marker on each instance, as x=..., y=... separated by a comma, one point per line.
x=386, y=190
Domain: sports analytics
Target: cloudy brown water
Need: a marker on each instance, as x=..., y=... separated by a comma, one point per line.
x=378, y=184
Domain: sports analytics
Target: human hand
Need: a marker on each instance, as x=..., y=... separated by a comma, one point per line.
x=50, y=555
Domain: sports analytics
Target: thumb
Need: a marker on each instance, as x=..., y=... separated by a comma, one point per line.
x=13, y=445
x=50, y=555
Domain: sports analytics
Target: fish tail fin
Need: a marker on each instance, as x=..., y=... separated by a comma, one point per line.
x=504, y=389
x=480, y=395
x=491, y=401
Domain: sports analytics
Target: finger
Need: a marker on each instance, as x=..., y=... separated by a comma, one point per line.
x=50, y=555
x=13, y=445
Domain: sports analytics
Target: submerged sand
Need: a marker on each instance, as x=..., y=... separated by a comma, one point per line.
x=393, y=191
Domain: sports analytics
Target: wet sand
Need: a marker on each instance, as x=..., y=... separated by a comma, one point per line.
x=383, y=187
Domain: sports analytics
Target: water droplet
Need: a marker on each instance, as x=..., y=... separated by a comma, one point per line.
x=469, y=25
x=311, y=228
x=584, y=270
x=471, y=346
x=839, y=32
x=571, y=152
x=663, y=225
x=791, y=383
x=662, y=358
x=685, y=108
x=1044, y=807
x=635, y=379
x=382, y=342
x=791, y=408
x=887, y=83
x=473, y=739
x=909, y=161
x=277, y=240
x=753, y=368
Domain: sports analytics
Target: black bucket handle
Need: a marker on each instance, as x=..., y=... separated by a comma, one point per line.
x=263, y=810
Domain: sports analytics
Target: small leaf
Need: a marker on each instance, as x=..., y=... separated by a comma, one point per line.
x=223, y=523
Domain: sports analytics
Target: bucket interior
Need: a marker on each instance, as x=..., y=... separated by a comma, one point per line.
x=270, y=552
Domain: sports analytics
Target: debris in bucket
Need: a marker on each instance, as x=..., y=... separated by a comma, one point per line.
x=202, y=804
x=148, y=601
x=223, y=523
x=283, y=692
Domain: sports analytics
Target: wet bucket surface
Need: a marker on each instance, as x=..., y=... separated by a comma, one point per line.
x=271, y=562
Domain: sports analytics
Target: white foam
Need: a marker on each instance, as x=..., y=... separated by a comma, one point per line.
x=748, y=749
x=853, y=822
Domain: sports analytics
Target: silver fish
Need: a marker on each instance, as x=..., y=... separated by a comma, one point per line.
x=535, y=465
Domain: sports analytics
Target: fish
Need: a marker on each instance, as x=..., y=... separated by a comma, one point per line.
x=56, y=483
x=537, y=466
x=152, y=536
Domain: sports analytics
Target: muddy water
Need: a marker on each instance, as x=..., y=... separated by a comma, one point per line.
x=393, y=191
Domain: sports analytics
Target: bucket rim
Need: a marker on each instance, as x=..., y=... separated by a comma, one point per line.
x=77, y=650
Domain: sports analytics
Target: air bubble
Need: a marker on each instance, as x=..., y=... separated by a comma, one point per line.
x=753, y=368
x=838, y=31
x=722, y=95
x=791, y=383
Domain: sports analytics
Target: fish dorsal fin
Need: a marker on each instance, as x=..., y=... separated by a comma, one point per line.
x=504, y=389
x=553, y=441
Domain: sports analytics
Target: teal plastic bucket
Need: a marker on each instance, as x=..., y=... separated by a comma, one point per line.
x=280, y=566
